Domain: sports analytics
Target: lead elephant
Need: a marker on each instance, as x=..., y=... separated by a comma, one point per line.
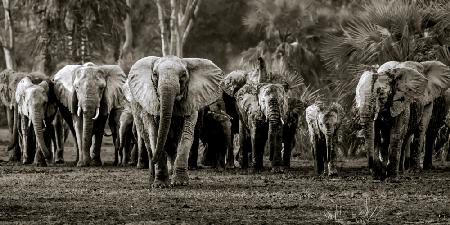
x=394, y=103
x=324, y=122
x=170, y=91
x=37, y=109
x=86, y=95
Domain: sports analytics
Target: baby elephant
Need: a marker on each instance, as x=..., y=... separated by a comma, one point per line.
x=324, y=121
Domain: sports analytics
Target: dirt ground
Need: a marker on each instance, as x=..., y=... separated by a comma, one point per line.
x=113, y=195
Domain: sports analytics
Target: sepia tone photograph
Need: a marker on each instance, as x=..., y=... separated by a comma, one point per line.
x=224, y=112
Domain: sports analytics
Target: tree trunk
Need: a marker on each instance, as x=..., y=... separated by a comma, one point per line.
x=126, y=48
x=8, y=48
x=162, y=27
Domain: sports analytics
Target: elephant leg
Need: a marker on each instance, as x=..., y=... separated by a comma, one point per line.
x=193, y=153
x=98, y=133
x=397, y=134
x=147, y=136
x=59, y=142
x=24, y=137
x=229, y=157
x=180, y=173
x=259, y=138
x=244, y=145
x=134, y=146
x=114, y=125
x=419, y=135
x=319, y=148
x=125, y=128
x=159, y=174
x=15, y=153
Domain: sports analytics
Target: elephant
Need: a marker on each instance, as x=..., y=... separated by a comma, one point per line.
x=37, y=110
x=169, y=92
x=324, y=121
x=266, y=112
x=394, y=103
x=8, y=83
x=86, y=96
x=216, y=134
x=128, y=135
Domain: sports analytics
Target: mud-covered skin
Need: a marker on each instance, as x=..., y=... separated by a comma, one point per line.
x=403, y=94
x=324, y=121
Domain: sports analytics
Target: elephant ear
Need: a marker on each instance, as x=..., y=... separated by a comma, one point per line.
x=22, y=86
x=233, y=82
x=203, y=86
x=438, y=75
x=115, y=79
x=63, y=87
x=410, y=84
x=126, y=91
x=141, y=86
x=364, y=90
x=387, y=66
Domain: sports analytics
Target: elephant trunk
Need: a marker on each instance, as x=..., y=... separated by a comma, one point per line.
x=167, y=100
x=274, y=118
x=329, y=145
x=37, y=120
x=13, y=139
x=88, y=123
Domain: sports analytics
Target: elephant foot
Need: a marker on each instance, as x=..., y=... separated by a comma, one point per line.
x=26, y=161
x=96, y=162
x=277, y=169
x=59, y=161
x=132, y=163
x=180, y=177
x=415, y=170
x=160, y=183
x=83, y=163
x=332, y=171
x=41, y=164
x=140, y=165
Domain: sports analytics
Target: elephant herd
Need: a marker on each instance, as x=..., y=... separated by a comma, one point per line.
x=165, y=106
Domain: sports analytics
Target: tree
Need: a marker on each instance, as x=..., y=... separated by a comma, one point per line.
x=181, y=20
x=7, y=41
x=76, y=30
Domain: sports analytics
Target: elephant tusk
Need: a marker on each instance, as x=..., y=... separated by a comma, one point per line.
x=45, y=124
x=96, y=114
x=10, y=106
x=79, y=111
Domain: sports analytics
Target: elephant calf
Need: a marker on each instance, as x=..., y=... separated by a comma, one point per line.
x=324, y=121
x=37, y=110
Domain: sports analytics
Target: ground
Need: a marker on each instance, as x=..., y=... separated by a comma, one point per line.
x=114, y=195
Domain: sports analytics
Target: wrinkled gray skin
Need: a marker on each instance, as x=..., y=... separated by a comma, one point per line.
x=384, y=102
x=324, y=122
x=8, y=83
x=87, y=94
x=395, y=103
x=37, y=110
x=167, y=92
x=265, y=113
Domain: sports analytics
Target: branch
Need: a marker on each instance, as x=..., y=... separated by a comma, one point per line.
x=191, y=6
x=164, y=38
x=191, y=22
